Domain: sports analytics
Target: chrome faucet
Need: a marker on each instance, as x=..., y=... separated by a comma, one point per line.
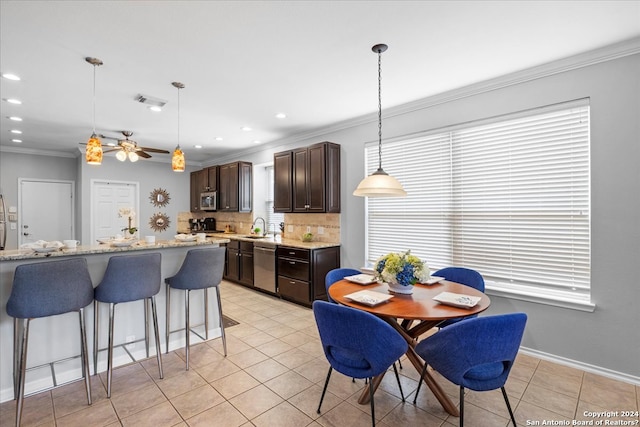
x=264, y=225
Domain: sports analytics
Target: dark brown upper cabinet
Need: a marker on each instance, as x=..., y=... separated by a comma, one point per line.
x=308, y=179
x=201, y=181
x=235, y=187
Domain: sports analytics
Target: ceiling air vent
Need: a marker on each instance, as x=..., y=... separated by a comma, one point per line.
x=150, y=100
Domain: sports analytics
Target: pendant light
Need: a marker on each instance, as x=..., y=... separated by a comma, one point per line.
x=93, y=153
x=177, y=160
x=379, y=183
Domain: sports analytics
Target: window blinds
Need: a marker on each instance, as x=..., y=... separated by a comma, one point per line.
x=508, y=197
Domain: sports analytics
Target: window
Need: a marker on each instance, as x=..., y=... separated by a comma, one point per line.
x=508, y=197
x=272, y=217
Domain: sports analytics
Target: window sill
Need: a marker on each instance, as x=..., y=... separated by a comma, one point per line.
x=564, y=299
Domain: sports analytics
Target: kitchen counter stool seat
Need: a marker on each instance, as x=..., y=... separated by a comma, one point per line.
x=41, y=290
x=128, y=278
x=201, y=269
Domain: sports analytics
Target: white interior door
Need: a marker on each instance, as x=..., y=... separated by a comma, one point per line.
x=46, y=210
x=107, y=198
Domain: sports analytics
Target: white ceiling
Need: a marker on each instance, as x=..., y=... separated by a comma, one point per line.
x=244, y=61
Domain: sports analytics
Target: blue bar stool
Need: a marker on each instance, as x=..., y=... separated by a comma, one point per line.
x=201, y=269
x=42, y=290
x=128, y=278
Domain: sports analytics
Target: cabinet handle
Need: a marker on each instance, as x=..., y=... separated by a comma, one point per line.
x=292, y=283
x=292, y=253
x=292, y=262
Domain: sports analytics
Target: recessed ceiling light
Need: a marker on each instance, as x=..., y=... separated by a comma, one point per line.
x=219, y=138
x=12, y=101
x=15, y=119
x=197, y=146
x=10, y=76
x=111, y=144
x=155, y=108
x=281, y=116
x=17, y=141
x=257, y=142
x=16, y=131
x=246, y=128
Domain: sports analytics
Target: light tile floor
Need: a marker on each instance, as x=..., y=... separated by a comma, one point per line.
x=273, y=377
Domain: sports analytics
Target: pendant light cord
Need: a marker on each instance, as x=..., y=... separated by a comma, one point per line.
x=178, y=117
x=94, y=99
x=379, y=109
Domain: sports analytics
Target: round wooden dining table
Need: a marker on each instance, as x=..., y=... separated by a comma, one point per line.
x=412, y=315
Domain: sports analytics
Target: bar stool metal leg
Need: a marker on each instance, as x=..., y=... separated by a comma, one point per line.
x=16, y=357
x=167, y=322
x=186, y=325
x=157, y=334
x=224, y=337
x=146, y=325
x=23, y=368
x=95, y=337
x=112, y=309
x=84, y=355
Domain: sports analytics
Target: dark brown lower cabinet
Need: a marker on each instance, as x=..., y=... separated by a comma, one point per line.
x=301, y=272
x=239, y=262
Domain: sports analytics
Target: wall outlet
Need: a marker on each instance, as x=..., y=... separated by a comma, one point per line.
x=308, y=229
x=290, y=228
x=320, y=230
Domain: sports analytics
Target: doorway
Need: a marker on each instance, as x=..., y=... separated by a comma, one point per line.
x=107, y=197
x=46, y=210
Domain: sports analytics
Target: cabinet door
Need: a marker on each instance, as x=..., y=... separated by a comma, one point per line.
x=245, y=182
x=246, y=268
x=332, y=189
x=223, y=188
x=212, y=178
x=233, y=264
x=283, y=181
x=194, y=199
x=300, y=203
x=316, y=178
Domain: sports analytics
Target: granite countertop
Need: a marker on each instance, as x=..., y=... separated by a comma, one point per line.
x=20, y=254
x=277, y=240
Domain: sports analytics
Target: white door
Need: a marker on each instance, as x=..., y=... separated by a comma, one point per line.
x=107, y=197
x=46, y=210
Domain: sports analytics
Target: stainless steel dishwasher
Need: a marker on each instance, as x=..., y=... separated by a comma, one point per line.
x=264, y=266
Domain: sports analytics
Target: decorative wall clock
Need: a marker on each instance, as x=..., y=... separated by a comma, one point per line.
x=159, y=222
x=159, y=197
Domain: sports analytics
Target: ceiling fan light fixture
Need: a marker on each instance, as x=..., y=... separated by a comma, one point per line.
x=177, y=159
x=133, y=157
x=93, y=152
x=379, y=183
x=121, y=155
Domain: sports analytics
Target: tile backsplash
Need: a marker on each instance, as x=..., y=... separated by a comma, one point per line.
x=324, y=227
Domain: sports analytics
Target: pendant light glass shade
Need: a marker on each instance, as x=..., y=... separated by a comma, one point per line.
x=93, y=152
x=379, y=183
x=177, y=160
x=121, y=155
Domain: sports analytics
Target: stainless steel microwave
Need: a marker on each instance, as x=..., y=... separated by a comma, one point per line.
x=208, y=201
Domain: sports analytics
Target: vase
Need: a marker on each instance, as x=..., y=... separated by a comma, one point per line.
x=397, y=288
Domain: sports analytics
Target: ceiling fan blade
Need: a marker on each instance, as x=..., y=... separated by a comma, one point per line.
x=143, y=154
x=153, y=150
x=111, y=150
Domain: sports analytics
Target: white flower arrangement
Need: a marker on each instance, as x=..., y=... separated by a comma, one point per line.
x=128, y=213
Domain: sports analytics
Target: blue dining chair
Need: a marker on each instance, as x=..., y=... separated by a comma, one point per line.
x=477, y=354
x=465, y=276
x=42, y=290
x=336, y=275
x=364, y=349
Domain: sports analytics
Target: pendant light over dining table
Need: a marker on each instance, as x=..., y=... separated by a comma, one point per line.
x=93, y=152
x=177, y=159
x=380, y=183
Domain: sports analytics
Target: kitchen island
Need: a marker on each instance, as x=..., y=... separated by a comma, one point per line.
x=55, y=339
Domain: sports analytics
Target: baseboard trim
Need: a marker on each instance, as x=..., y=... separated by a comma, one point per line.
x=609, y=373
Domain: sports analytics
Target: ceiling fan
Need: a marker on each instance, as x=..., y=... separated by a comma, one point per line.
x=128, y=148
